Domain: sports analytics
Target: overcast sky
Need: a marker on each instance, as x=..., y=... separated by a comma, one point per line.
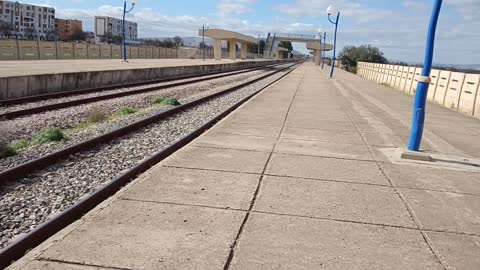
x=397, y=27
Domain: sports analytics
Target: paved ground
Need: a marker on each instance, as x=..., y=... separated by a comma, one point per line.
x=35, y=67
x=294, y=179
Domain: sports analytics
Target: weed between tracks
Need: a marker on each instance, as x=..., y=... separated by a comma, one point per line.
x=52, y=134
x=47, y=135
x=165, y=101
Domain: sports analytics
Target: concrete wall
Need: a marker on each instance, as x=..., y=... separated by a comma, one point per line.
x=11, y=49
x=454, y=90
x=21, y=86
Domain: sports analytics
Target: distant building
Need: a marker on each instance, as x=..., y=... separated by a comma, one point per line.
x=27, y=20
x=108, y=27
x=67, y=28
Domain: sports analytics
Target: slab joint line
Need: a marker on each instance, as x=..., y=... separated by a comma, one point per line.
x=257, y=191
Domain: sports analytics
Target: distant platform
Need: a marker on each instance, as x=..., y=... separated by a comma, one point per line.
x=37, y=77
x=39, y=67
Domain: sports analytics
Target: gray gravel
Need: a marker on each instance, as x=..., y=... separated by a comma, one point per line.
x=36, y=198
x=25, y=127
x=93, y=94
x=77, y=114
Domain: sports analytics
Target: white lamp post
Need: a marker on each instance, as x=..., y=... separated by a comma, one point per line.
x=331, y=10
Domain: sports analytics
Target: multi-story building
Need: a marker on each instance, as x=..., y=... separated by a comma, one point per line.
x=67, y=28
x=28, y=20
x=112, y=27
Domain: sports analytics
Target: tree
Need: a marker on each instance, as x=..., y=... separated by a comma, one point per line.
x=350, y=55
x=29, y=32
x=78, y=35
x=287, y=45
x=178, y=41
x=6, y=29
x=52, y=35
x=262, y=44
x=117, y=40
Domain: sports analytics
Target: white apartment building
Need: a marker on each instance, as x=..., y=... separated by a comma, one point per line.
x=25, y=16
x=105, y=25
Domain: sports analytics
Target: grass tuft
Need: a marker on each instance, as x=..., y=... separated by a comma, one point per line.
x=127, y=111
x=47, y=135
x=158, y=100
x=19, y=144
x=165, y=101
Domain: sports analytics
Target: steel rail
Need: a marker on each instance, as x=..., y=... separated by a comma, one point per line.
x=44, y=161
x=76, y=102
x=17, y=249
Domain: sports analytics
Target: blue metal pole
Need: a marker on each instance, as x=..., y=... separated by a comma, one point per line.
x=422, y=88
x=323, y=53
x=123, y=31
x=334, y=43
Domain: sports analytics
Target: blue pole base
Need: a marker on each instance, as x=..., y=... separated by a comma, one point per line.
x=418, y=117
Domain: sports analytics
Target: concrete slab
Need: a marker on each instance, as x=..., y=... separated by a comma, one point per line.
x=448, y=211
x=333, y=200
x=434, y=178
x=220, y=159
x=314, y=116
x=385, y=140
x=285, y=242
x=321, y=135
x=235, y=141
x=49, y=265
x=246, y=129
x=257, y=119
x=144, y=235
x=196, y=187
x=326, y=169
x=457, y=251
x=324, y=149
x=321, y=124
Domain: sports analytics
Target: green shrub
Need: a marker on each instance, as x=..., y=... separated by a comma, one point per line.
x=19, y=144
x=171, y=101
x=96, y=115
x=127, y=111
x=165, y=101
x=47, y=135
x=158, y=100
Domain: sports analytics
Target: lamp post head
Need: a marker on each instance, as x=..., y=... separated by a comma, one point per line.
x=134, y=2
x=330, y=9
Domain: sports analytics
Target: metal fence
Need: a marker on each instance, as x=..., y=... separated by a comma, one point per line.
x=455, y=90
x=11, y=49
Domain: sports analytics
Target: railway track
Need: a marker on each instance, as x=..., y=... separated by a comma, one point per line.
x=169, y=83
x=45, y=230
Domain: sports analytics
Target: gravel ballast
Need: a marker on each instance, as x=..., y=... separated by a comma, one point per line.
x=70, y=117
x=37, y=197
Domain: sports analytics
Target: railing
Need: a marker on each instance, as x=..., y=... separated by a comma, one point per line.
x=455, y=90
x=301, y=36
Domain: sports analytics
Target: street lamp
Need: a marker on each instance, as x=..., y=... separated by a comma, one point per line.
x=423, y=82
x=331, y=10
x=125, y=11
x=203, y=40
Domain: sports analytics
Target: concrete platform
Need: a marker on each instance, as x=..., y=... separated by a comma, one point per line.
x=29, y=78
x=294, y=179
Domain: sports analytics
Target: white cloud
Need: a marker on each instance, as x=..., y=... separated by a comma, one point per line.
x=228, y=8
